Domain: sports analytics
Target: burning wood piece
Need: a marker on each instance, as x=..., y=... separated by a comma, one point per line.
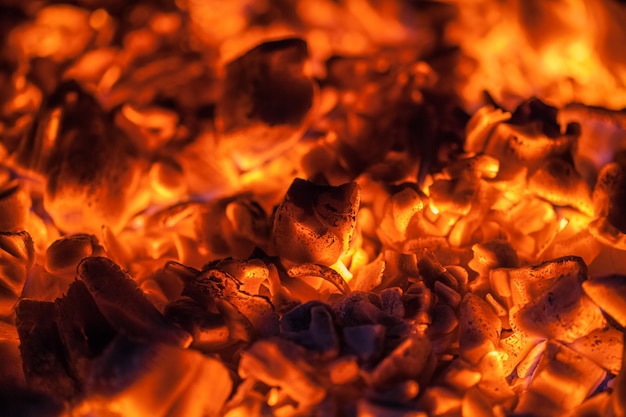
x=609, y=294
x=220, y=292
x=124, y=305
x=252, y=273
x=87, y=179
x=442, y=327
x=601, y=136
x=65, y=253
x=562, y=380
x=370, y=276
x=411, y=360
x=17, y=253
x=320, y=272
x=457, y=188
x=315, y=223
x=398, y=217
x=265, y=101
x=155, y=379
x=391, y=298
x=283, y=364
x=488, y=256
x=11, y=372
x=523, y=141
x=479, y=328
x=529, y=283
x=457, y=192
x=609, y=199
x=558, y=182
x=517, y=348
x=43, y=354
x=432, y=272
x=210, y=331
x=493, y=383
x=493, y=254
x=82, y=328
x=439, y=401
x=232, y=227
x=561, y=310
x=14, y=208
x=151, y=127
x=604, y=347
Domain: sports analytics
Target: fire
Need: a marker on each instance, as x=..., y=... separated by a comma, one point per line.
x=302, y=208
x=562, y=51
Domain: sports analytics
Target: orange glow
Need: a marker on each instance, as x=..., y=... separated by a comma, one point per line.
x=560, y=51
x=343, y=207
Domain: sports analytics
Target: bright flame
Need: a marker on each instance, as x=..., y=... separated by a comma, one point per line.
x=560, y=50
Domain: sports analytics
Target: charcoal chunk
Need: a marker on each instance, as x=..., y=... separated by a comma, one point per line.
x=365, y=341
x=124, y=305
x=17, y=254
x=609, y=195
x=92, y=170
x=24, y=402
x=84, y=331
x=315, y=223
x=312, y=326
x=265, y=101
x=44, y=359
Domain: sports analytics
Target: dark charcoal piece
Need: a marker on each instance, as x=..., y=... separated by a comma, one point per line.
x=82, y=328
x=267, y=85
x=366, y=342
x=17, y=254
x=431, y=270
x=312, y=326
x=362, y=308
x=265, y=101
x=91, y=168
x=609, y=195
x=21, y=402
x=534, y=110
x=43, y=354
x=125, y=306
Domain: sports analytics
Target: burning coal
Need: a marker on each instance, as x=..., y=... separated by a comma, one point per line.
x=338, y=208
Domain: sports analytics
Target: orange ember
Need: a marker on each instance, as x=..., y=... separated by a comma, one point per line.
x=312, y=208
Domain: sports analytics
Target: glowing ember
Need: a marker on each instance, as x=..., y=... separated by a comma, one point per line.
x=283, y=208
